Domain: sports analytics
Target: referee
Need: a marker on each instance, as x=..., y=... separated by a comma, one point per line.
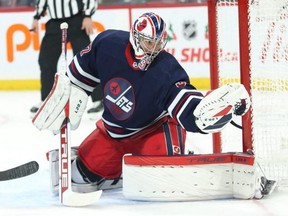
x=77, y=13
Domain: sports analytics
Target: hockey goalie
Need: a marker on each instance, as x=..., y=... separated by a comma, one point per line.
x=149, y=106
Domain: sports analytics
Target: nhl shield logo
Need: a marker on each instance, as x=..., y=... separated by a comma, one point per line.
x=189, y=29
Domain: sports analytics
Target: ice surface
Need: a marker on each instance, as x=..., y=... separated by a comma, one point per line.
x=21, y=142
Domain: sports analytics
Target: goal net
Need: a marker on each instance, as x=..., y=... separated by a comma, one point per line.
x=248, y=42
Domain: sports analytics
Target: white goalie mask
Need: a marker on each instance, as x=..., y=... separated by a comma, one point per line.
x=148, y=37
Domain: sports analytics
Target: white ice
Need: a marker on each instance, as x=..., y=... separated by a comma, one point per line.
x=21, y=142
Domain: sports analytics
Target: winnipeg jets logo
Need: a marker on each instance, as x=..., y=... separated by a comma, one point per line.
x=121, y=101
x=119, y=98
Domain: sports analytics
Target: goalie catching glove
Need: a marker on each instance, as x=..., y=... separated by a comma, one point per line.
x=51, y=114
x=220, y=106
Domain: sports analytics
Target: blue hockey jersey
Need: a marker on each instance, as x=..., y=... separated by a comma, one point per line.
x=134, y=99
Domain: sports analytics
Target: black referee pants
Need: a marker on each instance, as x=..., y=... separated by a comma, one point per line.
x=50, y=50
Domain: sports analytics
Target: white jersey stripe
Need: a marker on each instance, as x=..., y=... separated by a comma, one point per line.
x=178, y=97
x=183, y=108
x=82, y=72
x=78, y=83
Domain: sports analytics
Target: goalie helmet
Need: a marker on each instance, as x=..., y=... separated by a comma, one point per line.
x=148, y=37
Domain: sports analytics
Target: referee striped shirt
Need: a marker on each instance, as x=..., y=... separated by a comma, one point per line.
x=59, y=9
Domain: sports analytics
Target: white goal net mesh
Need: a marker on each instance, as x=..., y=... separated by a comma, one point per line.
x=268, y=56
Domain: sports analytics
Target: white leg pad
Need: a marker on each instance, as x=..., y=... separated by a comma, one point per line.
x=190, y=177
x=80, y=186
x=53, y=157
x=246, y=181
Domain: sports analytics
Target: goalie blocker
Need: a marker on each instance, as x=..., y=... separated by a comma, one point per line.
x=193, y=177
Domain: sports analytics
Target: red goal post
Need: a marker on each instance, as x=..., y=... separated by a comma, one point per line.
x=248, y=41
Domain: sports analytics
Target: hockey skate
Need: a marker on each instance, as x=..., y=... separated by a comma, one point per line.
x=96, y=107
x=267, y=186
x=34, y=109
x=95, y=111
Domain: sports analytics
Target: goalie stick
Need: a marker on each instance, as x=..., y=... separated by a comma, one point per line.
x=19, y=171
x=67, y=196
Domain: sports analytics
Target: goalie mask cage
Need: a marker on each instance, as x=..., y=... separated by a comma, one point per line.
x=248, y=42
